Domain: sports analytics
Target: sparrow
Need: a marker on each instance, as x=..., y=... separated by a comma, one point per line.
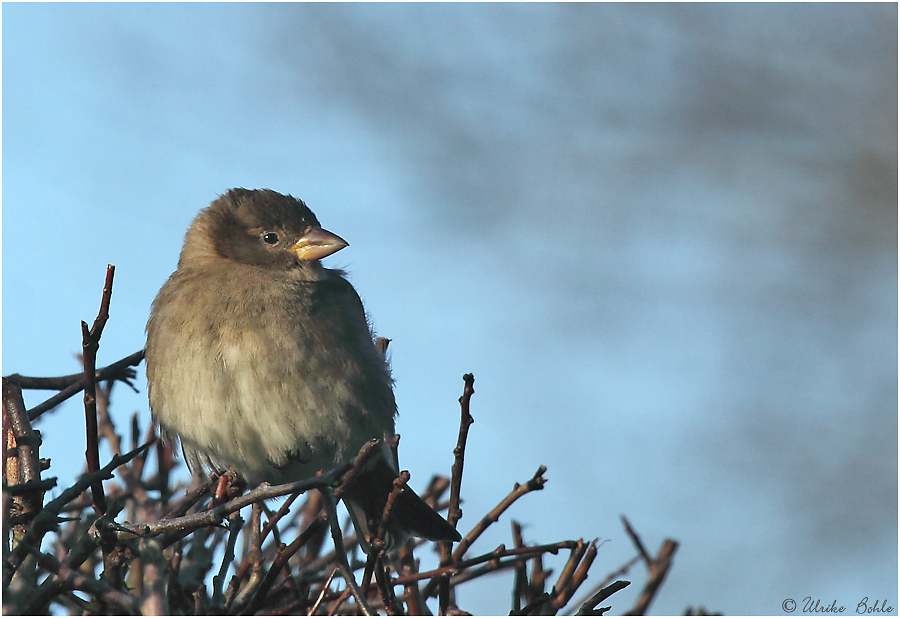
x=260, y=358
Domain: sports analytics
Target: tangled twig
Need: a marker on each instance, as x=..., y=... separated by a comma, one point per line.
x=144, y=542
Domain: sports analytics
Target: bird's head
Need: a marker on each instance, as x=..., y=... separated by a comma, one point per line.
x=259, y=228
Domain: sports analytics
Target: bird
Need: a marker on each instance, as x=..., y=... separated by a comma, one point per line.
x=260, y=358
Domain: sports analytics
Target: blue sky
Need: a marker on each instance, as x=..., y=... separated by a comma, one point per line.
x=662, y=237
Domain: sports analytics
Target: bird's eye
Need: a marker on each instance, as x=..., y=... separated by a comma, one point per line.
x=270, y=238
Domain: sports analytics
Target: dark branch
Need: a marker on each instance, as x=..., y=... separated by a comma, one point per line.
x=659, y=568
x=90, y=343
x=589, y=607
x=46, y=519
x=535, y=483
x=120, y=370
x=454, y=513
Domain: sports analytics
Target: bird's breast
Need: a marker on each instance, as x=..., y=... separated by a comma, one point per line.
x=277, y=383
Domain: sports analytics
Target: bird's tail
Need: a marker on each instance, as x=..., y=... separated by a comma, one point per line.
x=366, y=497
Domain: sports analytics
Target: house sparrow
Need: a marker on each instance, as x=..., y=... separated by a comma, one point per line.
x=258, y=357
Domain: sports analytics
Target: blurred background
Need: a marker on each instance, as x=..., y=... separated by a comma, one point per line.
x=662, y=237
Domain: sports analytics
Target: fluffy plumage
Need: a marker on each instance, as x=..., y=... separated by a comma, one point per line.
x=258, y=357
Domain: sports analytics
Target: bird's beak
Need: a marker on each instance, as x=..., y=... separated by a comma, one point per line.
x=317, y=243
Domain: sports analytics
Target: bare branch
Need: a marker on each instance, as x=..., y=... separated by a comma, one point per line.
x=343, y=564
x=459, y=453
x=234, y=527
x=21, y=457
x=120, y=370
x=74, y=580
x=494, y=556
x=636, y=540
x=567, y=591
x=520, y=583
x=46, y=519
x=454, y=513
x=155, y=600
x=179, y=527
x=658, y=569
x=589, y=607
x=535, y=483
x=161, y=561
